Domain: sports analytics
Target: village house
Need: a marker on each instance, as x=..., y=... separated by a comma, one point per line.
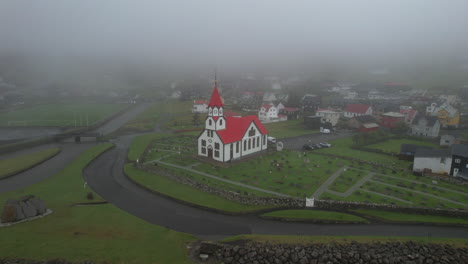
x=200, y=106
x=357, y=121
x=328, y=115
x=447, y=114
x=450, y=138
x=427, y=126
x=407, y=151
x=230, y=138
x=436, y=161
x=353, y=110
x=310, y=102
x=290, y=113
x=270, y=113
x=409, y=113
x=391, y=119
x=459, y=161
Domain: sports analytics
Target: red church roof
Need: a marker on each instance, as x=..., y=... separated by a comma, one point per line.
x=215, y=98
x=357, y=108
x=236, y=127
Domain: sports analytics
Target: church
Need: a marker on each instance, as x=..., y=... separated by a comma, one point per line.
x=230, y=138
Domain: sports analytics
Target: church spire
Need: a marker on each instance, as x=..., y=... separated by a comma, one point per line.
x=215, y=98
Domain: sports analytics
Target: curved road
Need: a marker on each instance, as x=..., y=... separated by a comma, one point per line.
x=105, y=176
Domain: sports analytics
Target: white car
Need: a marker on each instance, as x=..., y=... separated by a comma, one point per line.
x=325, y=131
x=271, y=139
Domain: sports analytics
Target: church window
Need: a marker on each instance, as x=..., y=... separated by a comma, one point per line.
x=217, y=153
x=253, y=143
x=209, y=122
x=237, y=147
x=245, y=145
x=221, y=122
x=250, y=142
x=252, y=132
x=215, y=112
x=203, y=143
x=216, y=145
x=258, y=142
x=203, y=150
x=263, y=139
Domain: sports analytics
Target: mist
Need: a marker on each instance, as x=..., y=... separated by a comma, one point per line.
x=197, y=36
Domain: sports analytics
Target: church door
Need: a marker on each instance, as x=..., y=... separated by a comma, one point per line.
x=210, y=152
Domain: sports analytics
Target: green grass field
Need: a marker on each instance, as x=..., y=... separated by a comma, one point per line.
x=393, y=146
x=347, y=179
x=9, y=167
x=363, y=197
x=60, y=114
x=140, y=143
x=404, y=217
x=315, y=215
x=185, y=193
x=286, y=129
x=98, y=233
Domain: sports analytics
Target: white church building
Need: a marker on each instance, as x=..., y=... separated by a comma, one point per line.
x=230, y=138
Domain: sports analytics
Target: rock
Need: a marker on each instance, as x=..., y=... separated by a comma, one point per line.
x=29, y=209
x=39, y=204
x=19, y=212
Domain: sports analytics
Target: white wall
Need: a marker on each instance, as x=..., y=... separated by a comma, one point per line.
x=432, y=163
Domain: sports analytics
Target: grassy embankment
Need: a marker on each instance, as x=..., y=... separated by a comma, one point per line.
x=9, y=167
x=315, y=215
x=60, y=114
x=408, y=218
x=98, y=232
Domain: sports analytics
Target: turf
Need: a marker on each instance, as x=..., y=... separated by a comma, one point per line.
x=98, y=233
x=315, y=215
x=60, y=114
x=418, y=218
x=9, y=167
x=393, y=146
x=185, y=193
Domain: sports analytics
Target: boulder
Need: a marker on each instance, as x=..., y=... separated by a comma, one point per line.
x=39, y=204
x=8, y=214
x=29, y=209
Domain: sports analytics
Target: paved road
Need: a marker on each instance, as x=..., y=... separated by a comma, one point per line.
x=296, y=143
x=105, y=176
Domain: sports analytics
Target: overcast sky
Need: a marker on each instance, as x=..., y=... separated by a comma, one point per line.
x=240, y=31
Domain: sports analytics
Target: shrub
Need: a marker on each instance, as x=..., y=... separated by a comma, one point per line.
x=90, y=196
x=8, y=214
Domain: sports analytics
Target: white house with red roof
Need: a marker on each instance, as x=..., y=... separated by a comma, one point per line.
x=353, y=110
x=270, y=113
x=227, y=138
x=200, y=106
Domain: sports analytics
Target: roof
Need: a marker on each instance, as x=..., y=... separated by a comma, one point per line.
x=266, y=106
x=393, y=114
x=290, y=109
x=365, y=119
x=370, y=125
x=215, y=98
x=357, y=108
x=431, y=120
x=200, y=102
x=432, y=153
x=404, y=148
x=236, y=127
x=460, y=150
x=411, y=113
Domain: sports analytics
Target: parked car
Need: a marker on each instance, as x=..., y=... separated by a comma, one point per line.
x=308, y=147
x=325, y=144
x=325, y=131
x=271, y=139
x=317, y=146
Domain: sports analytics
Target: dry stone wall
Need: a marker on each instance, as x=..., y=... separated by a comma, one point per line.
x=23, y=208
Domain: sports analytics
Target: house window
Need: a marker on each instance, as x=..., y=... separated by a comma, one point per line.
x=442, y=160
x=237, y=147
x=457, y=160
x=252, y=132
x=203, y=143
x=216, y=145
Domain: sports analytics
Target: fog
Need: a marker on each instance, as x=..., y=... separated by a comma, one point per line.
x=236, y=35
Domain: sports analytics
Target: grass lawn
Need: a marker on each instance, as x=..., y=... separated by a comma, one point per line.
x=304, y=240
x=146, y=120
x=342, y=147
x=140, y=143
x=315, y=215
x=99, y=232
x=347, y=179
x=393, y=145
x=363, y=197
x=186, y=193
x=9, y=167
x=404, y=217
x=286, y=129
x=287, y=172
x=60, y=114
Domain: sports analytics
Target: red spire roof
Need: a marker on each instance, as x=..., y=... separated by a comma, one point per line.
x=215, y=98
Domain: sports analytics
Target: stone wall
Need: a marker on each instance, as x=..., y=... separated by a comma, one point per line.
x=390, y=252
x=230, y=195
x=26, y=207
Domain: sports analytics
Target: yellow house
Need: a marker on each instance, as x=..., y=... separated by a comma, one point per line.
x=447, y=114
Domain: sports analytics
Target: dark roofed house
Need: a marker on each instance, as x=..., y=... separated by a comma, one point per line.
x=427, y=126
x=459, y=161
x=407, y=151
x=436, y=161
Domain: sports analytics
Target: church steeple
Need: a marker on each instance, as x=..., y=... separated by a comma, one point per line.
x=215, y=106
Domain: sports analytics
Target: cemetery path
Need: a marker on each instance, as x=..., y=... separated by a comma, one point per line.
x=105, y=176
x=323, y=188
